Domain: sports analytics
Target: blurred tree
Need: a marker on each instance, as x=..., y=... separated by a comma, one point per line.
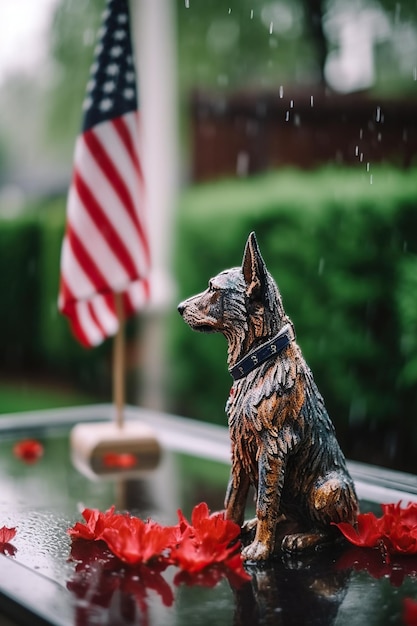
x=73, y=37
x=238, y=44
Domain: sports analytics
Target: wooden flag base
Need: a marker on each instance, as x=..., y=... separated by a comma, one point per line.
x=117, y=448
x=108, y=450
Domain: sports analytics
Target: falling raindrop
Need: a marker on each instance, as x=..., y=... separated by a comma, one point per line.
x=297, y=120
x=287, y=116
x=361, y=157
x=311, y=101
x=281, y=91
x=371, y=179
x=361, y=133
x=379, y=137
x=291, y=104
x=251, y=14
x=378, y=114
x=367, y=167
x=187, y=4
x=230, y=10
x=415, y=73
x=356, y=150
x=321, y=266
x=271, y=28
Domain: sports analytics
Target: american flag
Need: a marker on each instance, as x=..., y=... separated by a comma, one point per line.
x=105, y=248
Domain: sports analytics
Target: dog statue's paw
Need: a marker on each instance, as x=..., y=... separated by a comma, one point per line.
x=297, y=542
x=256, y=551
x=249, y=525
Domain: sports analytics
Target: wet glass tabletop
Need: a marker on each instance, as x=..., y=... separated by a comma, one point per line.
x=44, y=579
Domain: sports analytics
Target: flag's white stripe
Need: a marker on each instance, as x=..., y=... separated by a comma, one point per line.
x=131, y=122
x=137, y=294
x=120, y=156
x=77, y=280
x=112, y=207
x=92, y=332
x=105, y=316
x=96, y=246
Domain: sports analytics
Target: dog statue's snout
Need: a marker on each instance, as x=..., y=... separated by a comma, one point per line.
x=181, y=308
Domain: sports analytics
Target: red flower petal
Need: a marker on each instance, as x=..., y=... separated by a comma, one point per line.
x=395, y=531
x=28, y=450
x=410, y=612
x=207, y=541
x=366, y=535
x=6, y=534
x=96, y=523
x=135, y=541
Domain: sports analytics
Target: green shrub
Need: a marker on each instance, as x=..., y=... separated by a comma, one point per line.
x=341, y=249
x=19, y=288
x=35, y=335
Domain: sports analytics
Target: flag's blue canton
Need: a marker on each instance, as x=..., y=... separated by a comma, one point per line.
x=111, y=90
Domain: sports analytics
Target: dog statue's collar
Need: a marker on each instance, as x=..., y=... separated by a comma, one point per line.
x=266, y=351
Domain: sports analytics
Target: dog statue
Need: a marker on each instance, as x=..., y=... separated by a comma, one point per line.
x=283, y=442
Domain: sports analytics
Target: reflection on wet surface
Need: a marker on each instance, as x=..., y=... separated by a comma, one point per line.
x=342, y=586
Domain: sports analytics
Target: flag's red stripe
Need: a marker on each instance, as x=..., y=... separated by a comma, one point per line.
x=84, y=259
x=146, y=287
x=104, y=225
x=69, y=309
x=95, y=319
x=78, y=331
x=112, y=175
x=122, y=129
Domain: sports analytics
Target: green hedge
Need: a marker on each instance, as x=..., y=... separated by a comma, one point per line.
x=19, y=288
x=35, y=336
x=342, y=247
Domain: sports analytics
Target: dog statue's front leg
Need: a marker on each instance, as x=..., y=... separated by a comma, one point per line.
x=236, y=494
x=270, y=483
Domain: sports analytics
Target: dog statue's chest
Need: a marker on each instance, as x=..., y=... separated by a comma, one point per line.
x=251, y=409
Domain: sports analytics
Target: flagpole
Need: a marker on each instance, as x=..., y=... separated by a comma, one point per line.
x=119, y=361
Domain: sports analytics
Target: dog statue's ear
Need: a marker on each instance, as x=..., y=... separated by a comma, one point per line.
x=254, y=269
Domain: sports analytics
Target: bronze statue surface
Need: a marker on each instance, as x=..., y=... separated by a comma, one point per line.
x=283, y=441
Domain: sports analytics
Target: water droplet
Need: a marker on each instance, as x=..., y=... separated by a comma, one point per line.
x=356, y=150
x=251, y=14
x=287, y=116
x=371, y=179
x=291, y=104
x=297, y=120
x=415, y=73
x=311, y=101
x=230, y=10
x=367, y=167
x=281, y=91
x=379, y=137
x=361, y=157
x=271, y=28
x=361, y=133
x=378, y=114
